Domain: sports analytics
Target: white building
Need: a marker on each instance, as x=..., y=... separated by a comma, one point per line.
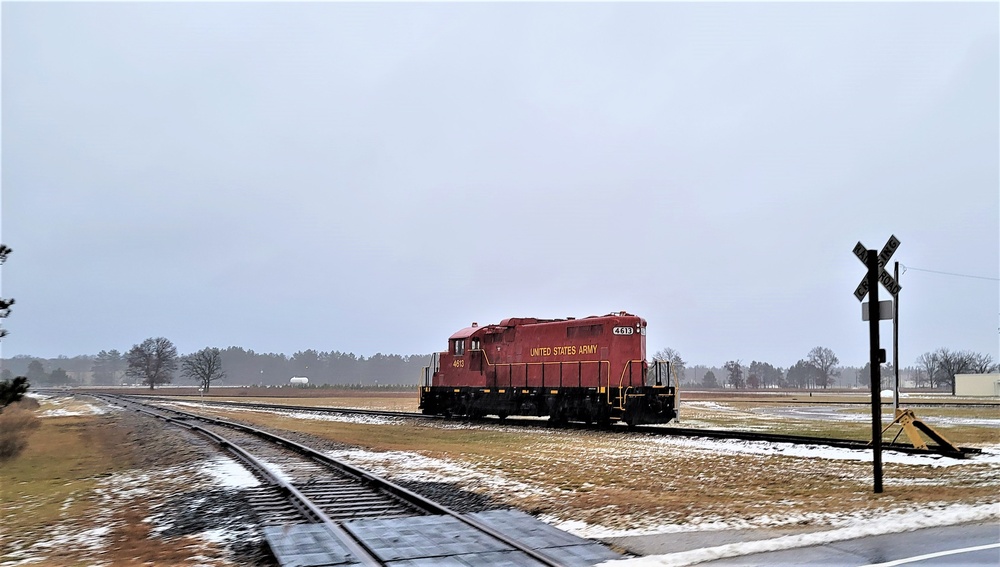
x=977, y=384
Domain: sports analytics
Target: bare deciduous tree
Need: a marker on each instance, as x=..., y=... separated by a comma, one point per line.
x=929, y=364
x=676, y=362
x=152, y=362
x=825, y=362
x=980, y=363
x=951, y=363
x=943, y=364
x=205, y=366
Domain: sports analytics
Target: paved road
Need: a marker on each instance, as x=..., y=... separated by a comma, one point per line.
x=965, y=545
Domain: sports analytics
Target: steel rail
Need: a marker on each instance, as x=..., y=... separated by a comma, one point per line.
x=370, y=479
x=805, y=440
x=300, y=501
x=801, y=399
x=287, y=407
x=963, y=452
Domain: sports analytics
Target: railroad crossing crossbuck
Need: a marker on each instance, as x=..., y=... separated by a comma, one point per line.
x=860, y=250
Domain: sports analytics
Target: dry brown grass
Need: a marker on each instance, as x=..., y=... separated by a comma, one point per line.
x=17, y=422
x=609, y=479
x=395, y=402
x=57, y=493
x=49, y=481
x=257, y=392
x=598, y=477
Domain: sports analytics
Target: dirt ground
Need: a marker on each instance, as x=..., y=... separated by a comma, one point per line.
x=100, y=486
x=119, y=488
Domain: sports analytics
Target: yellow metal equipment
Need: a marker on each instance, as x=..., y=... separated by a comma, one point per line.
x=912, y=425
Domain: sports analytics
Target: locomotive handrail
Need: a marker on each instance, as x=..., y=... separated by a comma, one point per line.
x=621, y=382
x=623, y=391
x=543, y=363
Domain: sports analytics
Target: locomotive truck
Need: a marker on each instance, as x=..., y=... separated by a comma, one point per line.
x=591, y=369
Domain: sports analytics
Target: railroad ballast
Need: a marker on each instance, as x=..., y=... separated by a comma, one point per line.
x=591, y=369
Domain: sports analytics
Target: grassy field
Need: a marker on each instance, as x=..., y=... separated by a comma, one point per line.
x=605, y=478
x=78, y=474
x=722, y=411
x=84, y=488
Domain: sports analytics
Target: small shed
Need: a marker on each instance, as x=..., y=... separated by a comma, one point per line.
x=977, y=384
x=298, y=381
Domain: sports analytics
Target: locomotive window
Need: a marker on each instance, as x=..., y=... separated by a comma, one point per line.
x=475, y=344
x=459, y=347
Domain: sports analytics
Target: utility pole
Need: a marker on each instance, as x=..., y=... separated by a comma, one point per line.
x=895, y=344
x=875, y=263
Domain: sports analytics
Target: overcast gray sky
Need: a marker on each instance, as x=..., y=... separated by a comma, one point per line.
x=372, y=177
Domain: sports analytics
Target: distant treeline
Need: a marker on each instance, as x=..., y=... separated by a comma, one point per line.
x=242, y=367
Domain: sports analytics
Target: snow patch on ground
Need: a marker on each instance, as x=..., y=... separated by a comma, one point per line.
x=66, y=406
x=110, y=493
x=967, y=421
x=411, y=466
x=230, y=474
x=117, y=492
x=277, y=470
x=345, y=418
x=855, y=526
x=216, y=536
x=990, y=455
x=882, y=522
x=318, y=415
x=712, y=406
x=408, y=466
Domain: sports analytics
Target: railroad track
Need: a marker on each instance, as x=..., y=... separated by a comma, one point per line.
x=963, y=452
x=312, y=488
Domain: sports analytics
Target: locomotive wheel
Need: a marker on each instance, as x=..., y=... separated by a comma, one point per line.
x=630, y=421
x=603, y=418
x=558, y=418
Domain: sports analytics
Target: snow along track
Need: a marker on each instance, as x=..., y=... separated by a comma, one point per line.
x=961, y=453
x=321, y=489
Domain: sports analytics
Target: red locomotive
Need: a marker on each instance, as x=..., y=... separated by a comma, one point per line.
x=592, y=369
